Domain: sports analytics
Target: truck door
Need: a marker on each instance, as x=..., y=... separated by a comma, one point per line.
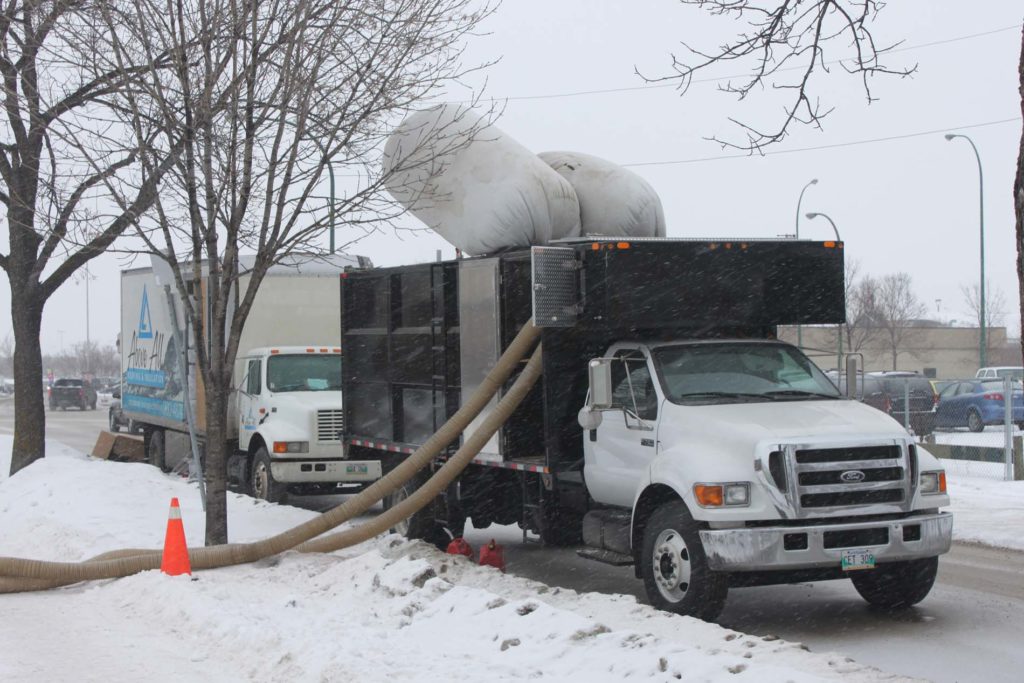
x=248, y=401
x=617, y=454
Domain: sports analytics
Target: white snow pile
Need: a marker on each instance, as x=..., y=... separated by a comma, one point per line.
x=389, y=610
x=986, y=511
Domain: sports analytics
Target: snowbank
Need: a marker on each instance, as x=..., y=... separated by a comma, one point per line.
x=987, y=511
x=386, y=610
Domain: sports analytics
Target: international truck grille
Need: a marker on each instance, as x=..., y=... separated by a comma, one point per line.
x=329, y=425
x=830, y=478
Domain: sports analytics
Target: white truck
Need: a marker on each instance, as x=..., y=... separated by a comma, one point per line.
x=285, y=416
x=670, y=430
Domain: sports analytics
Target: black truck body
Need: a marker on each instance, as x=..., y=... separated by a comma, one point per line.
x=417, y=340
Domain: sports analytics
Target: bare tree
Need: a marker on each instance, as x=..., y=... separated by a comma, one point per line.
x=995, y=303
x=784, y=49
x=897, y=310
x=58, y=156
x=260, y=98
x=861, y=326
x=995, y=309
x=790, y=36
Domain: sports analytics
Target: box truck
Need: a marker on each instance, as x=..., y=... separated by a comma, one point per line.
x=285, y=413
x=670, y=431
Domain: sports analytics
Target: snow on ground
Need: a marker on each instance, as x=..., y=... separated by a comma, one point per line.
x=985, y=511
x=386, y=610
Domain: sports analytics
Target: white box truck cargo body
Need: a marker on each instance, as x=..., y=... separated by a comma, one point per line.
x=285, y=411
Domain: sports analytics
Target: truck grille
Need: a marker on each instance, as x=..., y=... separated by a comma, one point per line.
x=829, y=478
x=329, y=425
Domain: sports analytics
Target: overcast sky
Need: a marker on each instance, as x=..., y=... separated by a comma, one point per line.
x=905, y=204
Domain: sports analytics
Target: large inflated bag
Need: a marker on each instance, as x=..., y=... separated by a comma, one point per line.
x=474, y=185
x=613, y=200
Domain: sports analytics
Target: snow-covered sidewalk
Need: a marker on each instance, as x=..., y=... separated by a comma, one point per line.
x=387, y=610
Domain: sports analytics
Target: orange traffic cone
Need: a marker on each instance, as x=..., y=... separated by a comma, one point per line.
x=175, y=559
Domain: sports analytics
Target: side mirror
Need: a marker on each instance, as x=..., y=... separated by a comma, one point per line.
x=851, y=376
x=599, y=371
x=589, y=419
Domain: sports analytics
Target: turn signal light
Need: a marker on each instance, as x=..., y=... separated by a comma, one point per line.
x=708, y=496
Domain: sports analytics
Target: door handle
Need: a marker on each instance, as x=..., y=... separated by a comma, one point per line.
x=647, y=442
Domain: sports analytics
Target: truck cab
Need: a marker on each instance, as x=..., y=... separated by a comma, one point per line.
x=738, y=458
x=290, y=421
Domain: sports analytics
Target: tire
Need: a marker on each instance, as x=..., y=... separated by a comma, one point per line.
x=421, y=525
x=675, y=569
x=897, y=585
x=262, y=484
x=974, y=422
x=156, y=450
x=112, y=421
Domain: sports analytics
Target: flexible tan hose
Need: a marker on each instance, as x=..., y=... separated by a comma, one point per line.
x=18, y=574
x=443, y=477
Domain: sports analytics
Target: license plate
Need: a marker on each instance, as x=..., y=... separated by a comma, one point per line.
x=857, y=559
x=361, y=469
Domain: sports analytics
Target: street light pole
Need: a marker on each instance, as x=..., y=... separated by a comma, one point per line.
x=815, y=214
x=814, y=181
x=811, y=216
x=982, y=351
x=799, y=201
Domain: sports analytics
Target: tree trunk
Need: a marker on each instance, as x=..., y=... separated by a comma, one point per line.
x=216, y=470
x=1018, y=199
x=29, y=407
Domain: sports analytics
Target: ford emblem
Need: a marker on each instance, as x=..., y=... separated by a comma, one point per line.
x=852, y=476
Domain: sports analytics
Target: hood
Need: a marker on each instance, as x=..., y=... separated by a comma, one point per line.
x=788, y=420
x=295, y=401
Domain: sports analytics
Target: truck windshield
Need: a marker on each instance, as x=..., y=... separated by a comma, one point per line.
x=319, y=372
x=739, y=372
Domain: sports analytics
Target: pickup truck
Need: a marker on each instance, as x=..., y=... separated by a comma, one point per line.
x=78, y=393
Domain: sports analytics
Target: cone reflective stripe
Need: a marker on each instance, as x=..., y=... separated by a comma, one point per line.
x=175, y=559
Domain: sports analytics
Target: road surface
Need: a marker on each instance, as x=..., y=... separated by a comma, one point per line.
x=968, y=629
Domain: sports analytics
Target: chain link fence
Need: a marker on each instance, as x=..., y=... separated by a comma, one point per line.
x=973, y=424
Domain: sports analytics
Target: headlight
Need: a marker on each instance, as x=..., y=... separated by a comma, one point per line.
x=291, y=447
x=735, y=494
x=933, y=482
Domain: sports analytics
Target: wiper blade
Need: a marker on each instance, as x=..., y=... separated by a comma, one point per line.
x=725, y=394
x=799, y=392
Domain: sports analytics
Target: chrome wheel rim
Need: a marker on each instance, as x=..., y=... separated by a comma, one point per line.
x=671, y=565
x=973, y=422
x=402, y=526
x=259, y=480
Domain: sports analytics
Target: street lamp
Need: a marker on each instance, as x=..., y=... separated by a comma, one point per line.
x=799, y=201
x=814, y=215
x=814, y=181
x=981, y=230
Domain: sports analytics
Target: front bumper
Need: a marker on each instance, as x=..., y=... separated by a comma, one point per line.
x=325, y=471
x=764, y=548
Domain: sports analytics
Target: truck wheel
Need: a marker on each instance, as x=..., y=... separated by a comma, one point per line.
x=421, y=525
x=261, y=479
x=974, y=422
x=674, y=567
x=156, y=452
x=112, y=421
x=897, y=585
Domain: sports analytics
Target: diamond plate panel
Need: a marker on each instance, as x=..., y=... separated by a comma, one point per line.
x=555, y=287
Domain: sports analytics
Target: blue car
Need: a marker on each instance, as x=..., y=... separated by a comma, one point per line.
x=976, y=403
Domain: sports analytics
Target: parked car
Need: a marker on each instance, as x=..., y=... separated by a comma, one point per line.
x=1000, y=371
x=976, y=403
x=939, y=385
x=885, y=391
x=77, y=393
x=910, y=390
x=116, y=418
